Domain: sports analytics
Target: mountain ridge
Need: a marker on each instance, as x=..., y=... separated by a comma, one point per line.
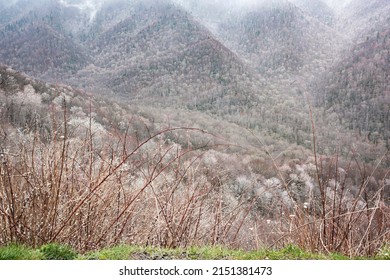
x=256, y=63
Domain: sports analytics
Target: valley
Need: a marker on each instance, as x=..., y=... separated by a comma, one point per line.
x=201, y=116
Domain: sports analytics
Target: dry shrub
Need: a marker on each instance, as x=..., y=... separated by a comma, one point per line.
x=345, y=211
x=90, y=192
x=89, y=188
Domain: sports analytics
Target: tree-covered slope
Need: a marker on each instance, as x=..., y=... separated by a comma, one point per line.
x=358, y=89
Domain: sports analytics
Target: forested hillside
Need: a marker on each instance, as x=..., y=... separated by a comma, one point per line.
x=355, y=90
x=177, y=123
x=358, y=91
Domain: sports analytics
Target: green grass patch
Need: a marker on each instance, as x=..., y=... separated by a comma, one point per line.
x=384, y=253
x=292, y=252
x=120, y=252
x=126, y=252
x=19, y=252
x=133, y=252
x=55, y=251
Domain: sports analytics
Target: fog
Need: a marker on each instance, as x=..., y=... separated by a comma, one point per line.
x=337, y=4
x=91, y=7
x=91, y=4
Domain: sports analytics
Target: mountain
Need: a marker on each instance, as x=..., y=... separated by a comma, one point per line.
x=159, y=51
x=13, y=10
x=38, y=39
x=317, y=9
x=357, y=89
x=360, y=18
x=165, y=121
x=68, y=153
x=279, y=38
x=141, y=49
x=255, y=65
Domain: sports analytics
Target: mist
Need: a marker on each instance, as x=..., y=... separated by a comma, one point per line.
x=211, y=12
x=90, y=7
x=337, y=4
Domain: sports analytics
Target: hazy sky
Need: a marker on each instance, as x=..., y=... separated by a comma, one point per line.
x=92, y=6
x=89, y=3
x=244, y=2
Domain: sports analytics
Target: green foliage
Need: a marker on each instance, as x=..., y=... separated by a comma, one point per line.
x=384, y=253
x=293, y=252
x=211, y=253
x=134, y=252
x=124, y=252
x=120, y=252
x=54, y=251
x=337, y=256
x=18, y=252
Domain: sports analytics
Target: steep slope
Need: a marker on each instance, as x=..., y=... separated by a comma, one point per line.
x=158, y=52
x=148, y=50
x=67, y=154
x=280, y=38
x=360, y=18
x=358, y=90
x=254, y=67
x=41, y=51
x=355, y=91
x=39, y=40
x=317, y=9
x=14, y=10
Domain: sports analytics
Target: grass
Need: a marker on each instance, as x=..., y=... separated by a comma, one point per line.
x=132, y=252
x=19, y=252
x=384, y=253
x=55, y=251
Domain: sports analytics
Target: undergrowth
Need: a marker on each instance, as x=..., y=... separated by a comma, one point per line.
x=92, y=189
x=131, y=252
